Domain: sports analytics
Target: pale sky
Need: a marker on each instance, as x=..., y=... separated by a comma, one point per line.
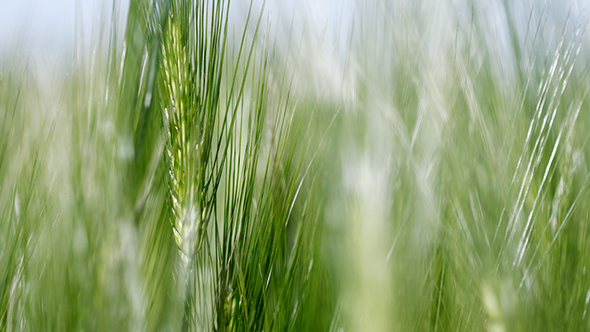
x=46, y=28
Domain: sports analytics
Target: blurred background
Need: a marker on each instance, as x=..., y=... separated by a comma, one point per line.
x=360, y=166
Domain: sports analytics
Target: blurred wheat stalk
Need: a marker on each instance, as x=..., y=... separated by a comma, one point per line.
x=426, y=173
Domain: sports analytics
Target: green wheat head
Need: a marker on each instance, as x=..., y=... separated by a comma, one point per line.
x=184, y=133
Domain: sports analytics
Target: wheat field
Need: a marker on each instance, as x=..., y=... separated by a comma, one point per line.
x=207, y=166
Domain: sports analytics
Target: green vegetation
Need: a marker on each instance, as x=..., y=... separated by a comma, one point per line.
x=427, y=173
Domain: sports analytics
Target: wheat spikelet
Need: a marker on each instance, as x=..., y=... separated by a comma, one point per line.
x=182, y=153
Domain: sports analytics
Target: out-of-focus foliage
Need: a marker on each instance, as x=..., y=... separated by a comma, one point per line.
x=424, y=171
